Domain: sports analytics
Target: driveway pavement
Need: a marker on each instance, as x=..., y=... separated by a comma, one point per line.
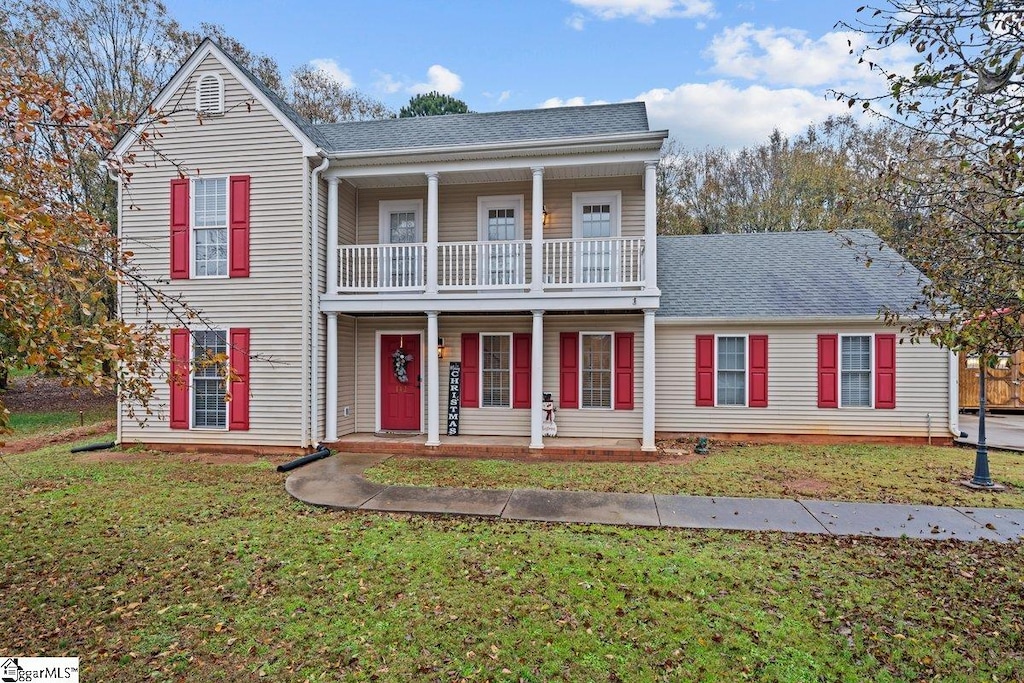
x=1004, y=430
x=337, y=482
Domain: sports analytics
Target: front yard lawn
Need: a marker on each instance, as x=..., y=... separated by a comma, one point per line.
x=160, y=568
x=881, y=474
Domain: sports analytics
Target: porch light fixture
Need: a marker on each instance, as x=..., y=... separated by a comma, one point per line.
x=547, y=216
x=440, y=348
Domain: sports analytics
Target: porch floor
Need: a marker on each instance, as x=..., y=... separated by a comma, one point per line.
x=505, y=447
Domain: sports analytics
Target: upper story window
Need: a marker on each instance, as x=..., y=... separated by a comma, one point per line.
x=595, y=220
x=500, y=228
x=855, y=371
x=209, y=94
x=210, y=227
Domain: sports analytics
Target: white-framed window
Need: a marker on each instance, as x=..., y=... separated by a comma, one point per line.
x=596, y=217
x=210, y=227
x=731, y=370
x=209, y=379
x=209, y=94
x=856, y=370
x=401, y=223
x=596, y=364
x=500, y=226
x=496, y=370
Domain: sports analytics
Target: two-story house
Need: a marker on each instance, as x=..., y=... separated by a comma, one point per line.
x=343, y=270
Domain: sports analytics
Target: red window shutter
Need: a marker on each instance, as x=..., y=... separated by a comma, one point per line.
x=569, y=370
x=758, y=349
x=522, y=366
x=238, y=230
x=885, y=370
x=238, y=353
x=181, y=361
x=179, y=229
x=623, y=371
x=828, y=370
x=705, y=369
x=471, y=370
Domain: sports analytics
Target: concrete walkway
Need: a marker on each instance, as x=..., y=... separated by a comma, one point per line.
x=337, y=482
x=1004, y=431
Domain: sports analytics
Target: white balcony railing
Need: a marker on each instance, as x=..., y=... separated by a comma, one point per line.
x=382, y=267
x=499, y=265
x=483, y=265
x=600, y=262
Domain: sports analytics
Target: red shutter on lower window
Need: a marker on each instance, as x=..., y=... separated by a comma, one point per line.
x=705, y=369
x=828, y=370
x=885, y=370
x=238, y=353
x=569, y=370
x=181, y=361
x=471, y=370
x=238, y=229
x=521, y=370
x=179, y=229
x=623, y=371
x=758, y=370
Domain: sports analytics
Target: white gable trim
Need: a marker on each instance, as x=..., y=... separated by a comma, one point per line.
x=206, y=49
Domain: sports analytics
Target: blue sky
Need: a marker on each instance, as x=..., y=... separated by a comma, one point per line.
x=714, y=72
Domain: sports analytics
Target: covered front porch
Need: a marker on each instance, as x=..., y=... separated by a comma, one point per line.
x=399, y=377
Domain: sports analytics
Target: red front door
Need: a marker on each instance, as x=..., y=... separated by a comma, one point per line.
x=400, y=392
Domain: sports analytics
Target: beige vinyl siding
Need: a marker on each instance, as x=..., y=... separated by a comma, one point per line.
x=922, y=386
x=346, y=374
x=457, y=207
x=501, y=421
x=273, y=302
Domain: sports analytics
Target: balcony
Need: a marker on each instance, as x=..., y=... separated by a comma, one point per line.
x=565, y=264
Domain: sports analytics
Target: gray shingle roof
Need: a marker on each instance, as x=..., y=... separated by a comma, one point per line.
x=778, y=275
x=493, y=127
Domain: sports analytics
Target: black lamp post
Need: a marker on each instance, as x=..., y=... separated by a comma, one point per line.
x=981, y=477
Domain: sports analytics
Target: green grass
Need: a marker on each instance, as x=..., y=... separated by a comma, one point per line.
x=887, y=474
x=31, y=424
x=164, y=570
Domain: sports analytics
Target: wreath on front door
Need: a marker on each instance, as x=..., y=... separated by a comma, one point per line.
x=399, y=359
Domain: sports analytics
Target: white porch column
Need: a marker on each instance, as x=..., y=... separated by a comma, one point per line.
x=332, y=236
x=537, y=238
x=432, y=383
x=651, y=224
x=648, y=393
x=432, y=233
x=537, y=379
x=331, y=406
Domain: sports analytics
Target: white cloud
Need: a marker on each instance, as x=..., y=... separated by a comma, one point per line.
x=331, y=68
x=552, y=102
x=443, y=80
x=787, y=56
x=576, y=21
x=644, y=10
x=504, y=96
x=386, y=83
x=693, y=112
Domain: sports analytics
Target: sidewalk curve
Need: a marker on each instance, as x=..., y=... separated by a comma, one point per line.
x=337, y=482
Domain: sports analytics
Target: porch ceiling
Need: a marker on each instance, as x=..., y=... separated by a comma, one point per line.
x=499, y=175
